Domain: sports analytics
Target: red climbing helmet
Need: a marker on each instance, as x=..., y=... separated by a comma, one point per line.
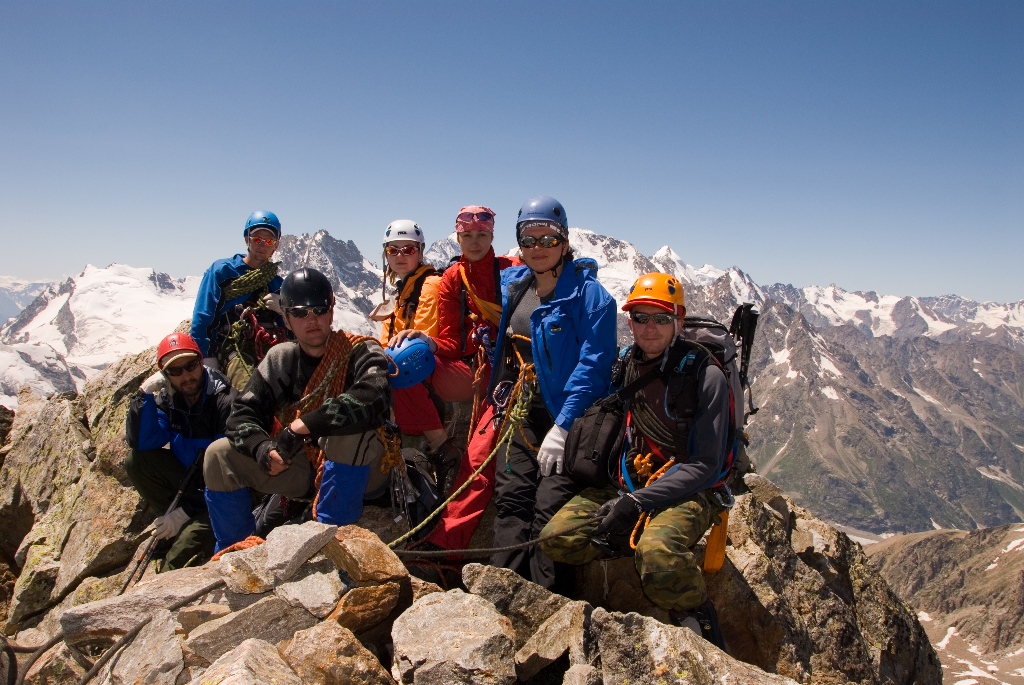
x=174, y=346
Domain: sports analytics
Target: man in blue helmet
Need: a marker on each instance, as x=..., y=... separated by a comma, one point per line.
x=230, y=285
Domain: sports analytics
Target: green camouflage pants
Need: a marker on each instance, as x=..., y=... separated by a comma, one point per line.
x=668, y=570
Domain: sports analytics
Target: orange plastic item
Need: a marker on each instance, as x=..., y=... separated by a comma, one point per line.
x=714, y=549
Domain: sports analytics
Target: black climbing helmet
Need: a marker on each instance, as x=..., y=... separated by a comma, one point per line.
x=306, y=287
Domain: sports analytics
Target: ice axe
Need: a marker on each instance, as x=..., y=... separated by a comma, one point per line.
x=147, y=551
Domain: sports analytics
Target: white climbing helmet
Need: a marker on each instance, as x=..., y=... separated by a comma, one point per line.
x=403, y=229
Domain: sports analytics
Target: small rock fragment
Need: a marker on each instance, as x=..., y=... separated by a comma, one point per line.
x=318, y=594
x=363, y=608
x=190, y=618
x=362, y=555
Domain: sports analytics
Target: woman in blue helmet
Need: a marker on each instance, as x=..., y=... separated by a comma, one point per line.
x=557, y=326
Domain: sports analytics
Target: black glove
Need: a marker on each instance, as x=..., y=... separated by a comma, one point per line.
x=263, y=456
x=290, y=444
x=620, y=517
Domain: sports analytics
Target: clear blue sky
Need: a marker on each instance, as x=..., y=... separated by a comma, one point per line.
x=877, y=145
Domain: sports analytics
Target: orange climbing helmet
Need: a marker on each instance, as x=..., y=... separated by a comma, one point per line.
x=658, y=290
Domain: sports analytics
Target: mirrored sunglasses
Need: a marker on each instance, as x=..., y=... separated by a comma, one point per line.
x=528, y=241
x=407, y=250
x=269, y=242
x=303, y=312
x=176, y=371
x=467, y=217
x=660, y=319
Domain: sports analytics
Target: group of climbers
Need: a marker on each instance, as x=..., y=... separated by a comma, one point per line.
x=530, y=343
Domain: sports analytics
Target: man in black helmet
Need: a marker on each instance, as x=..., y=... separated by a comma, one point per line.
x=330, y=392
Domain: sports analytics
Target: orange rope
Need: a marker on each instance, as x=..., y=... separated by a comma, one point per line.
x=250, y=541
x=644, y=463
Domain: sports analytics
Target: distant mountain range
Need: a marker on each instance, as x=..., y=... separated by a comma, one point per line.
x=883, y=413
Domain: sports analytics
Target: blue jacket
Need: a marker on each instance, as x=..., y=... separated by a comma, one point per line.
x=210, y=311
x=155, y=420
x=572, y=336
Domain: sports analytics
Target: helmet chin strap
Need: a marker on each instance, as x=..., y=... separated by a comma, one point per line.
x=560, y=262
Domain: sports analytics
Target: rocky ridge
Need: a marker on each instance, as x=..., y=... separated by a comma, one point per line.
x=796, y=600
x=968, y=590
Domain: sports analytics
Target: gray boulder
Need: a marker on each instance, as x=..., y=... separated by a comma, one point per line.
x=318, y=594
x=640, y=649
x=328, y=654
x=453, y=637
x=154, y=657
x=271, y=619
x=114, y=616
x=289, y=547
x=570, y=629
x=254, y=662
x=527, y=605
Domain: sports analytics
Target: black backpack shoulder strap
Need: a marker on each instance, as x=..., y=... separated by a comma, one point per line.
x=685, y=361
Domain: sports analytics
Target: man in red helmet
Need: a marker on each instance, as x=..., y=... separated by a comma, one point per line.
x=185, y=406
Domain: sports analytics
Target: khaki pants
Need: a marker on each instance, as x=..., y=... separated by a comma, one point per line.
x=226, y=469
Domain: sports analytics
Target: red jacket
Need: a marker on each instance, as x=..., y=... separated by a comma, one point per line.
x=454, y=335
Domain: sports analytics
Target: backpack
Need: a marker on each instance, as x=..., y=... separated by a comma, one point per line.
x=414, y=297
x=731, y=347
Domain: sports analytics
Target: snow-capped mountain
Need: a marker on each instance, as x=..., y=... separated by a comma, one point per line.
x=16, y=294
x=440, y=253
x=97, y=317
x=356, y=281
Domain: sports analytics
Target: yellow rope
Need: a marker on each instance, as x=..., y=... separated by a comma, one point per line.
x=520, y=401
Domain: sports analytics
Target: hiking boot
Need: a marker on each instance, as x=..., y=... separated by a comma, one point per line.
x=703, y=620
x=445, y=461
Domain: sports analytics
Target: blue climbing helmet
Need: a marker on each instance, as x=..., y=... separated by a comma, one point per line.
x=261, y=219
x=543, y=209
x=410, y=363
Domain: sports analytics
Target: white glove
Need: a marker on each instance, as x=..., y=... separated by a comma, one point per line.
x=551, y=455
x=168, y=525
x=272, y=301
x=154, y=383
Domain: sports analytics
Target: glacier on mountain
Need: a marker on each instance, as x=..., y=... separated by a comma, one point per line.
x=77, y=327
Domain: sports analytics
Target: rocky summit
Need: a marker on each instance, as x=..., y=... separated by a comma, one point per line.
x=798, y=600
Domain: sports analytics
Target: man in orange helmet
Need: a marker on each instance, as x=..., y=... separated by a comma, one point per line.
x=183, y=405
x=667, y=485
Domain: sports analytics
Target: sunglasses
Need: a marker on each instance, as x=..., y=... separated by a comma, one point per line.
x=408, y=250
x=269, y=242
x=303, y=312
x=528, y=241
x=178, y=370
x=660, y=319
x=467, y=217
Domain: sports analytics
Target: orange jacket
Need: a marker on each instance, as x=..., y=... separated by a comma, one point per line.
x=420, y=316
